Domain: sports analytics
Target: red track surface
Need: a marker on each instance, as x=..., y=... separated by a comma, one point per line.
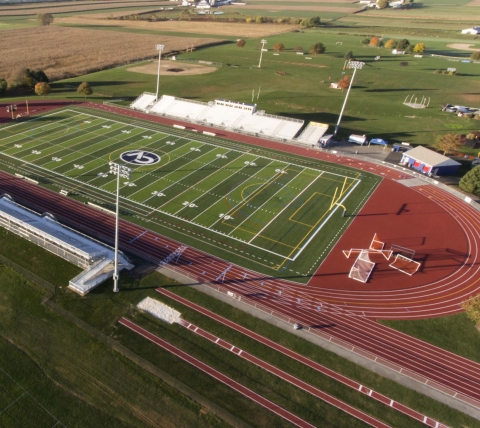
x=217, y=375
x=353, y=321
x=294, y=355
x=352, y=411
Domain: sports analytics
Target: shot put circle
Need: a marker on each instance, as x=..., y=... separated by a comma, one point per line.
x=140, y=157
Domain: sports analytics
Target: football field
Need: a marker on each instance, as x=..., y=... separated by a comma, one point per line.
x=265, y=207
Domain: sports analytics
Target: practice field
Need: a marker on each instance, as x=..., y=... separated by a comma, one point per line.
x=18, y=408
x=267, y=208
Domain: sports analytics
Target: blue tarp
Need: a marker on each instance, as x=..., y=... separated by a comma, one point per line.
x=378, y=141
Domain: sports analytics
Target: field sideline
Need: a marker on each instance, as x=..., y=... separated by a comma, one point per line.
x=270, y=209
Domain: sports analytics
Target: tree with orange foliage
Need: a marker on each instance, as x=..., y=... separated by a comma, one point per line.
x=374, y=41
x=344, y=82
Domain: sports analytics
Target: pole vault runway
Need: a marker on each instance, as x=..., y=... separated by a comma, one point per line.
x=447, y=240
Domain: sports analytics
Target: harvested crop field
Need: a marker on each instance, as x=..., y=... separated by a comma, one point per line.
x=57, y=52
x=172, y=68
x=213, y=28
x=65, y=7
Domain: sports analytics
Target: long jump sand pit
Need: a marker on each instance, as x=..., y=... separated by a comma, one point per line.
x=173, y=68
x=463, y=47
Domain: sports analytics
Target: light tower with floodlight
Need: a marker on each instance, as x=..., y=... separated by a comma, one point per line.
x=125, y=172
x=160, y=50
x=261, y=52
x=356, y=65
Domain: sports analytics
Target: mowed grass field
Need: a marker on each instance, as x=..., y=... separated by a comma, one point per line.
x=276, y=212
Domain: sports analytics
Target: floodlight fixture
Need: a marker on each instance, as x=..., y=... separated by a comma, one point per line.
x=263, y=41
x=356, y=65
x=124, y=172
x=159, y=48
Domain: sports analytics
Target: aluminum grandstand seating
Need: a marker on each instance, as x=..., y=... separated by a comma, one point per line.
x=144, y=101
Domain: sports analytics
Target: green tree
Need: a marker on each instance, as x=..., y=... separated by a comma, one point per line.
x=365, y=41
x=85, y=89
x=402, y=45
x=3, y=86
x=277, y=47
x=472, y=308
x=349, y=55
x=419, y=48
x=241, y=43
x=315, y=21
x=259, y=19
x=44, y=18
x=470, y=182
x=448, y=143
x=391, y=44
x=317, y=48
x=42, y=88
x=382, y=4
x=475, y=55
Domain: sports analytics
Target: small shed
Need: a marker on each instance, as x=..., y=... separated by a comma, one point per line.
x=429, y=162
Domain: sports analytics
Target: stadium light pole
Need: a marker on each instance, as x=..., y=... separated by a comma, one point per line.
x=160, y=50
x=356, y=65
x=125, y=172
x=261, y=52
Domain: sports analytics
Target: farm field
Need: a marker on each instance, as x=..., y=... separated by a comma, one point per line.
x=276, y=212
x=99, y=49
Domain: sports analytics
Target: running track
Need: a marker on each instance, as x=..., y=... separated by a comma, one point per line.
x=292, y=354
x=352, y=322
x=218, y=376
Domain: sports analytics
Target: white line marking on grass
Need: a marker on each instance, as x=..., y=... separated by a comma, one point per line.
x=69, y=148
x=171, y=172
x=325, y=221
x=286, y=206
x=215, y=185
x=268, y=200
x=32, y=136
x=185, y=176
x=243, y=182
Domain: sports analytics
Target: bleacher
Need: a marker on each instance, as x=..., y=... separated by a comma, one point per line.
x=48, y=233
x=239, y=117
x=144, y=101
x=312, y=133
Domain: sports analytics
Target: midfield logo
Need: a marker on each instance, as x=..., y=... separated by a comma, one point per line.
x=139, y=157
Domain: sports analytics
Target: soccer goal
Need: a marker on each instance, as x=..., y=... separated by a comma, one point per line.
x=405, y=264
x=362, y=268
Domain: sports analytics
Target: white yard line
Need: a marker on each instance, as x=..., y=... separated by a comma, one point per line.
x=20, y=135
x=268, y=200
x=243, y=201
x=286, y=206
x=207, y=191
x=173, y=172
x=52, y=143
x=325, y=221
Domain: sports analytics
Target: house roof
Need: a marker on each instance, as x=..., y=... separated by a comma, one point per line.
x=430, y=157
